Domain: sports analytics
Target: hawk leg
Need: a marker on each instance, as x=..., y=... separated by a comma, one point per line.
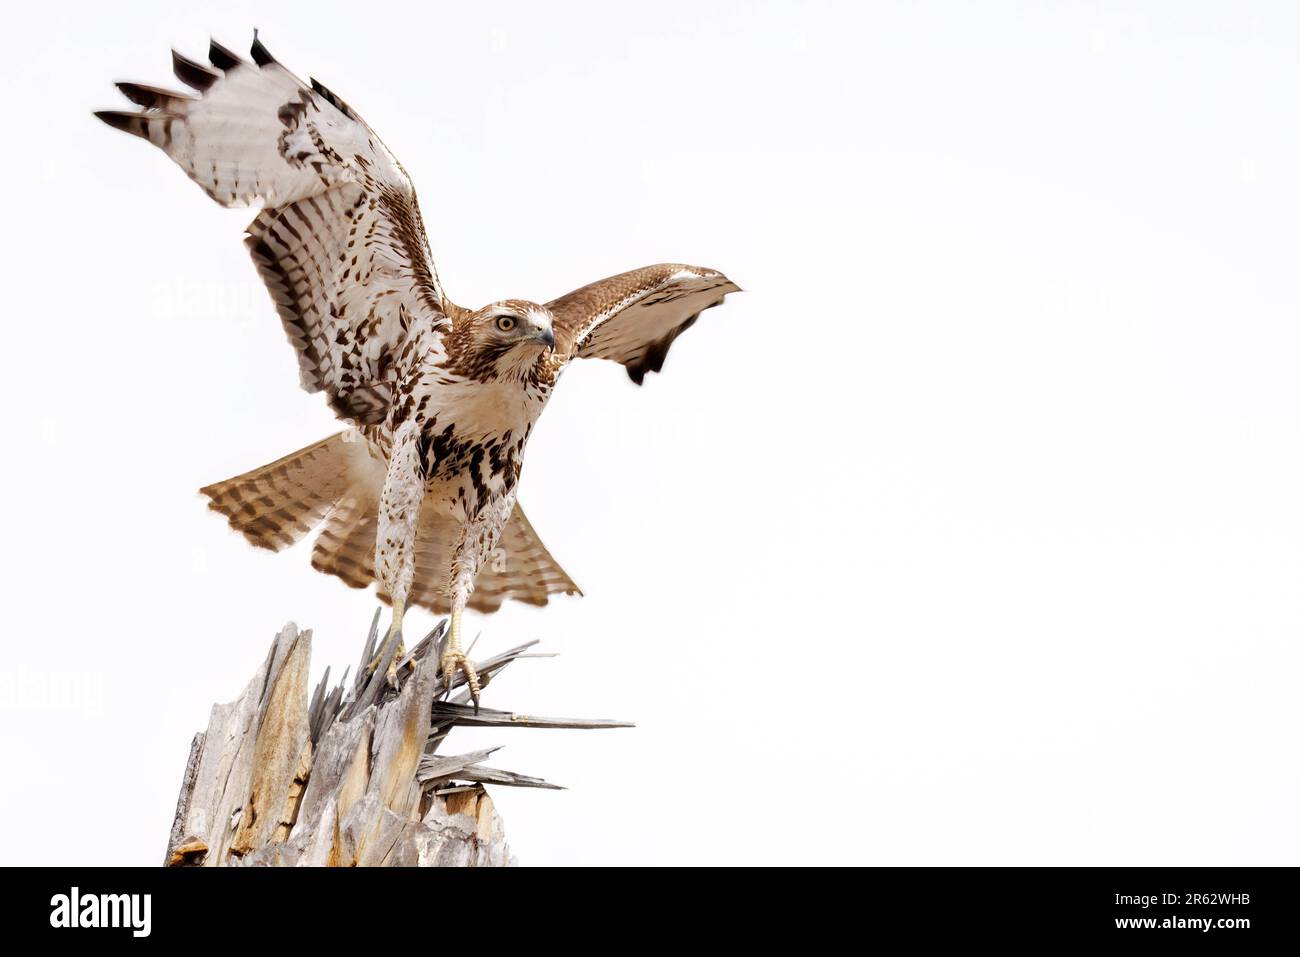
x=453, y=659
x=399, y=514
x=394, y=634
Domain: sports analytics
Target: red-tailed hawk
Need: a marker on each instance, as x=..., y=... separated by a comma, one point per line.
x=419, y=494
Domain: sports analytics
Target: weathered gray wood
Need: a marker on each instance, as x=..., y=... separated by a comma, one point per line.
x=175, y=839
x=438, y=767
x=348, y=775
x=446, y=712
x=485, y=775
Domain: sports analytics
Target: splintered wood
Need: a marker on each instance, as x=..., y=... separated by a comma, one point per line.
x=352, y=776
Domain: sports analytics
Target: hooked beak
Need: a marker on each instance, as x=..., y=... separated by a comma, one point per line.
x=547, y=336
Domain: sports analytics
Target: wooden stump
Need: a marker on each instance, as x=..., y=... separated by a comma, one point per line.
x=352, y=776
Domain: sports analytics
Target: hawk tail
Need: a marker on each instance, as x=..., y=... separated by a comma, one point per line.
x=336, y=484
x=278, y=504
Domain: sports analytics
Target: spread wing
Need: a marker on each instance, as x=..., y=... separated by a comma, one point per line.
x=634, y=317
x=339, y=243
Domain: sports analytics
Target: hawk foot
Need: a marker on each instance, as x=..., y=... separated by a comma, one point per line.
x=454, y=659
x=398, y=655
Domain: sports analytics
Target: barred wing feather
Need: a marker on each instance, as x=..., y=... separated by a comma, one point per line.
x=634, y=317
x=340, y=241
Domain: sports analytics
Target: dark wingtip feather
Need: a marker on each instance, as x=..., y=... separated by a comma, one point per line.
x=150, y=97
x=193, y=74
x=652, y=360
x=261, y=55
x=222, y=58
x=136, y=93
x=332, y=98
x=121, y=120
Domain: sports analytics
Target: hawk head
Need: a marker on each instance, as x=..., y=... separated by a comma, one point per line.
x=503, y=340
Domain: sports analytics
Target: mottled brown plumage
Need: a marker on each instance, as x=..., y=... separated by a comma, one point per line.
x=419, y=495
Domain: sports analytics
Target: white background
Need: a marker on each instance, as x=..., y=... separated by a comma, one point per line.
x=969, y=533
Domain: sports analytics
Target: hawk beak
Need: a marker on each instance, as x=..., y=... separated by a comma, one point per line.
x=548, y=337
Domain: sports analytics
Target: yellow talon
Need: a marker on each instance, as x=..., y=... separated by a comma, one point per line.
x=453, y=658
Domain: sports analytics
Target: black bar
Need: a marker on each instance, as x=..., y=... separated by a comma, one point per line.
x=1233, y=907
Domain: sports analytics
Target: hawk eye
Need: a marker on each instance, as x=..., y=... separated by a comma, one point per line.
x=505, y=323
